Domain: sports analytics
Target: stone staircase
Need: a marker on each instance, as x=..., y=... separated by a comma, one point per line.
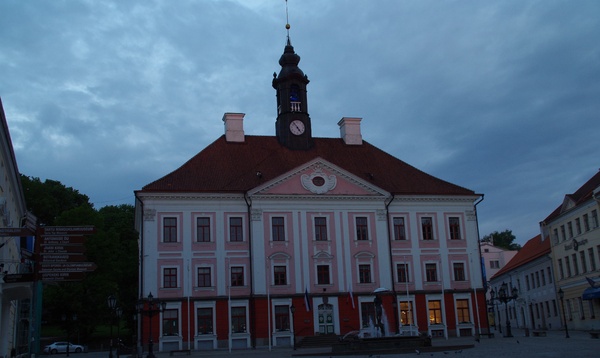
x=318, y=341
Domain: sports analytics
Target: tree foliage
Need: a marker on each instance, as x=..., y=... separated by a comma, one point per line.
x=504, y=239
x=113, y=248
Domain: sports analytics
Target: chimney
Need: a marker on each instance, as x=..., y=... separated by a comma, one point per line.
x=234, y=127
x=350, y=130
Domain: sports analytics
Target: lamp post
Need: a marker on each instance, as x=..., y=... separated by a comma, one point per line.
x=153, y=307
x=118, y=313
x=496, y=309
x=293, y=310
x=504, y=296
x=112, y=304
x=69, y=324
x=561, y=295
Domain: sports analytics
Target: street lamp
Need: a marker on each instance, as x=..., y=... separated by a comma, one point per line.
x=504, y=296
x=118, y=313
x=493, y=294
x=293, y=310
x=112, y=304
x=153, y=307
x=561, y=295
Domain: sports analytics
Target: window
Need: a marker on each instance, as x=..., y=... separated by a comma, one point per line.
x=427, y=228
x=549, y=271
x=277, y=228
x=547, y=303
x=580, y=306
x=367, y=314
x=323, y=274
x=205, y=320
x=454, y=226
x=527, y=282
x=543, y=277
x=462, y=311
x=431, y=272
x=235, y=229
x=583, y=261
x=204, y=279
x=361, y=228
x=406, y=313
x=320, y=229
x=402, y=272
x=170, y=278
x=556, y=237
x=280, y=275
x=364, y=273
x=563, y=232
x=494, y=264
x=399, y=229
x=435, y=312
x=575, y=265
x=568, y=266
x=592, y=259
x=170, y=323
x=282, y=318
x=554, y=308
x=537, y=279
x=578, y=226
x=237, y=276
x=560, y=269
x=169, y=229
x=570, y=229
x=595, y=218
x=203, y=229
x=586, y=222
x=459, y=271
x=238, y=319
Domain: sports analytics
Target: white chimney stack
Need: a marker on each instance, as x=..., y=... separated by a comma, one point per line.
x=350, y=130
x=234, y=127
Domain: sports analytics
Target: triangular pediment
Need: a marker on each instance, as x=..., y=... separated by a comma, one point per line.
x=319, y=177
x=568, y=203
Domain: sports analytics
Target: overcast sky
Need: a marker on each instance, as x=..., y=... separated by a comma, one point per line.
x=501, y=97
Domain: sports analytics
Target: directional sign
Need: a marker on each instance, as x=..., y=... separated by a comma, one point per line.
x=18, y=277
x=15, y=231
x=62, y=276
x=62, y=240
x=62, y=249
x=67, y=267
x=77, y=257
x=68, y=230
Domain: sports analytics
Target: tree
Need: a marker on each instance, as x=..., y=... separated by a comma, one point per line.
x=113, y=248
x=504, y=239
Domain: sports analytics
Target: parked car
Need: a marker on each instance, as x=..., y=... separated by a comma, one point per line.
x=61, y=347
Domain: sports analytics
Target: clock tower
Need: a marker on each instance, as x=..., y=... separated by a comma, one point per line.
x=292, y=128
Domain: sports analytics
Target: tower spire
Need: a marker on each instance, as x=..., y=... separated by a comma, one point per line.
x=287, y=23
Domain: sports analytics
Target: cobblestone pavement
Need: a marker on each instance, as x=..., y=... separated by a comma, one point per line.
x=555, y=344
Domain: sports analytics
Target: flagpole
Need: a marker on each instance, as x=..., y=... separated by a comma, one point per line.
x=475, y=295
x=408, y=302
x=268, y=282
x=443, y=298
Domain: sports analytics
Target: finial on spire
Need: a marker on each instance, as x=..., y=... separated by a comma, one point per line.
x=287, y=21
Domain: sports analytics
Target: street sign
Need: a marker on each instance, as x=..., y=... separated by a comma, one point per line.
x=62, y=276
x=77, y=257
x=67, y=267
x=18, y=277
x=62, y=240
x=68, y=230
x=62, y=249
x=16, y=231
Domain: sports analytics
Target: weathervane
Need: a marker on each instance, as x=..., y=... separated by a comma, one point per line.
x=287, y=21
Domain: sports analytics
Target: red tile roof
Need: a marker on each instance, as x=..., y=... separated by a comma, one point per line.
x=583, y=194
x=232, y=167
x=533, y=249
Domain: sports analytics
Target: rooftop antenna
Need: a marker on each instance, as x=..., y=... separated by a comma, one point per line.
x=287, y=22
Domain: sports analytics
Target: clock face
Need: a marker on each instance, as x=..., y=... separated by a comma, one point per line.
x=297, y=127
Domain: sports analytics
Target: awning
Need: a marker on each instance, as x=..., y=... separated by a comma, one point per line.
x=591, y=293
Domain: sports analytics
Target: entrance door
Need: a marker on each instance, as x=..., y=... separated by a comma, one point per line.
x=326, y=319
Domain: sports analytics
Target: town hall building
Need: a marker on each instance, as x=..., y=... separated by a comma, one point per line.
x=263, y=240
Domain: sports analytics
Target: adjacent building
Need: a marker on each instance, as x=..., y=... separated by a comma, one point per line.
x=266, y=240
x=574, y=231
x=15, y=290
x=530, y=271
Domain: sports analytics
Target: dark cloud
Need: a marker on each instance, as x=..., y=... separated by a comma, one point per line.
x=499, y=97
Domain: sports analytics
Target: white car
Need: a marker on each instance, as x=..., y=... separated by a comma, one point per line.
x=61, y=347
